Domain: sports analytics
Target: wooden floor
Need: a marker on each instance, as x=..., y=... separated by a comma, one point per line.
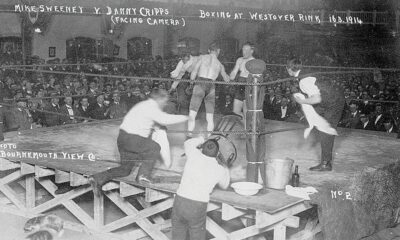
x=354, y=151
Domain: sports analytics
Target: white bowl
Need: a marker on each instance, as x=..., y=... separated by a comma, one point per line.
x=246, y=188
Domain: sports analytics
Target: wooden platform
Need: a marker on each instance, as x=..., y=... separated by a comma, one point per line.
x=81, y=150
x=354, y=149
x=71, y=153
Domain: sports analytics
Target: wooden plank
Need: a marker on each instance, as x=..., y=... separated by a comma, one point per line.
x=280, y=232
x=61, y=176
x=98, y=211
x=77, y=179
x=229, y=212
x=217, y=231
x=43, y=172
x=66, y=200
x=10, y=177
x=27, y=169
x=7, y=164
x=126, y=190
x=293, y=222
x=213, y=206
x=139, y=233
x=144, y=223
x=156, y=218
x=145, y=213
x=264, y=219
x=250, y=231
x=152, y=195
x=10, y=194
x=30, y=197
x=110, y=186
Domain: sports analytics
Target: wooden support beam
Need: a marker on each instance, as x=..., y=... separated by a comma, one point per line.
x=126, y=190
x=61, y=176
x=145, y=213
x=139, y=233
x=10, y=194
x=43, y=172
x=212, y=206
x=66, y=200
x=30, y=197
x=154, y=195
x=156, y=218
x=98, y=204
x=77, y=179
x=280, y=232
x=253, y=230
x=6, y=164
x=143, y=223
x=264, y=219
x=229, y=212
x=217, y=231
x=27, y=168
x=110, y=186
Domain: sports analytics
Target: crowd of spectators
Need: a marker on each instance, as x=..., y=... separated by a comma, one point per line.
x=36, y=99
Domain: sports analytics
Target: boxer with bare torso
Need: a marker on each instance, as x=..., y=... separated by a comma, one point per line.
x=247, y=50
x=207, y=68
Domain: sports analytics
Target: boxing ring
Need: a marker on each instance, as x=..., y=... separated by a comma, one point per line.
x=25, y=179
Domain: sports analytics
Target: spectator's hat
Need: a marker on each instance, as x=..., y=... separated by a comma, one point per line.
x=363, y=115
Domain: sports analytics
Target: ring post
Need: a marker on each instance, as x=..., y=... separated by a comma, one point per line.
x=255, y=147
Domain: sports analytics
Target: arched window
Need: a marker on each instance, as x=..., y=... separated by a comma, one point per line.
x=229, y=49
x=139, y=47
x=10, y=48
x=189, y=43
x=81, y=48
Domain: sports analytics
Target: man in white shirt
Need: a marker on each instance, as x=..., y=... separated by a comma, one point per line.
x=329, y=102
x=186, y=65
x=247, y=50
x=208, y=68
x=201, y=173
x=134, y=139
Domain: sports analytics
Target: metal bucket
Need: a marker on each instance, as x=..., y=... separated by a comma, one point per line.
x=278, y=172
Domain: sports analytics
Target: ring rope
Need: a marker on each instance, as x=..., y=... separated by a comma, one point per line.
x=181, y=80
x=152, y=61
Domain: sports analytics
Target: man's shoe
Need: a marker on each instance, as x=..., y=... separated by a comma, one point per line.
x=144, y=179
x=96, y=187
x=322, y=167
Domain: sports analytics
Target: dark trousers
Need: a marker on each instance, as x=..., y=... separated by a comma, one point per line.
x=188, y=219
x=183, y=98
x=332, y=114
x=133, y=149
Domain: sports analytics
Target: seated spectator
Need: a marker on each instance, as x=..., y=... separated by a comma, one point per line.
x=352, y=117
x=18, y=117
x=117, y=109
x=377, y=118
x=389, y=126
x=52, y=119
x=84, y=108
x=283, y=110
x=269, y=104
x=365, y=123
x=92, y=93
x=99, y=111
x=69, y=112
x=36, y=115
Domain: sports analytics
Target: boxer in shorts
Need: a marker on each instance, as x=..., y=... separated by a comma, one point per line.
x=238, y=102
x=207, y=68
